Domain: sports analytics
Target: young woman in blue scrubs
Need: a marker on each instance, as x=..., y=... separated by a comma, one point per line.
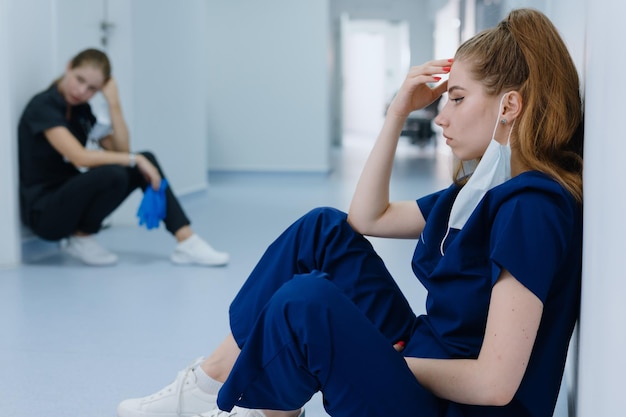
x=499, y=252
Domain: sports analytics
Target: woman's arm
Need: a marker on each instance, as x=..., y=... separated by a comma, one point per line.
x=67, y=145
x=494, y=377
x=118, y=140
x=371, y=212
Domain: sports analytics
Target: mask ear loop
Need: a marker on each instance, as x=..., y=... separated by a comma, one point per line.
x=508, y=139
x=503, y=121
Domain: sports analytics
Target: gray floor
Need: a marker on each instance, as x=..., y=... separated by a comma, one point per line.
x=76, y=340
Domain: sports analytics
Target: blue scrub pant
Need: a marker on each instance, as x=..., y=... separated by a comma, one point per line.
x=320, y=312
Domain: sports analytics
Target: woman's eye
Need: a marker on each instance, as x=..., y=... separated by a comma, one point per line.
x=457, y=100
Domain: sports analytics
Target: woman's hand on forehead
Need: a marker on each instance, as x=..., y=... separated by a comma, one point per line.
x=416, y=92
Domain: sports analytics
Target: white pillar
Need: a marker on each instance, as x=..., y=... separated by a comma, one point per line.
x=602, y=358
x=10, y=253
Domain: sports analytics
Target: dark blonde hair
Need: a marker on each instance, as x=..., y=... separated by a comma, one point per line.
x=525, y=53
x=94, y=58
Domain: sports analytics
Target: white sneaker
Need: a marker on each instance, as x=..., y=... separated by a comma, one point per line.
x=89, y=251
x=236, y=411
x=182, y=398
x=194, y=250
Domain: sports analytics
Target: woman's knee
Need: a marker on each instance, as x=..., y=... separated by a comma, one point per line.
x=329, y=213
x=150, y=157
x=153, y=160
x=324, y=217
x=307, y=291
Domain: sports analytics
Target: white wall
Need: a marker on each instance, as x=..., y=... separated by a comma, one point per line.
x=602, y=362
x=268, y=85
x=169, y=87
x=20, y=75
x=9, y=251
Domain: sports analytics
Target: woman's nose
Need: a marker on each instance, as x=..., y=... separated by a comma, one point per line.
x=82, y=89
x=439, y=120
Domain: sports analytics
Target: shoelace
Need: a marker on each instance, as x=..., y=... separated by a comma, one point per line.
x=181, y=378
x=179, y=384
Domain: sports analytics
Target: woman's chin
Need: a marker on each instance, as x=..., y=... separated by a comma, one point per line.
x=459, y=156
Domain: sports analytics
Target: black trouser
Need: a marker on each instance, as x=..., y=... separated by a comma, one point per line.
x=82, y=203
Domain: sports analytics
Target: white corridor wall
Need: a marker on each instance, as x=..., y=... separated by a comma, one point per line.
x=268, y=78
x=26, y=61
x=9, y=223
x=602, y=362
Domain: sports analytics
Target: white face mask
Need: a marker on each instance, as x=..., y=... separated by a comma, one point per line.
x=493, y=169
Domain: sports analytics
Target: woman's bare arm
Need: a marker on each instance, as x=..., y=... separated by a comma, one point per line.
x=371, y=212
x=64, y=142
x=494, y=377
x=119, y=139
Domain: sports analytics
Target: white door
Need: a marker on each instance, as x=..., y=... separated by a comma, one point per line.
x=78, y=27
x=374, y=60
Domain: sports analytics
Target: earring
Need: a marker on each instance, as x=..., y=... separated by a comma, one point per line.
x=503, y=121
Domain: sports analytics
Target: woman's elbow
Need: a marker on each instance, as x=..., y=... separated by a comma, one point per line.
x=499, y=393
x=354, y=224
x=500, y=397
x=79, y=162
x=81, y=159
x=358, y=225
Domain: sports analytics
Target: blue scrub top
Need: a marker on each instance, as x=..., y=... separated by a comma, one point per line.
x=532, y=227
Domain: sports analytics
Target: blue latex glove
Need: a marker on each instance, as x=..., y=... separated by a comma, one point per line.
x=152, y=208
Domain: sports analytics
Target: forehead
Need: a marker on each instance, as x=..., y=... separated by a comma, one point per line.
x=460, y=77
x=91, y=74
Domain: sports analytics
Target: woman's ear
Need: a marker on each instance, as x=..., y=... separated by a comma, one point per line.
x=512, y=106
